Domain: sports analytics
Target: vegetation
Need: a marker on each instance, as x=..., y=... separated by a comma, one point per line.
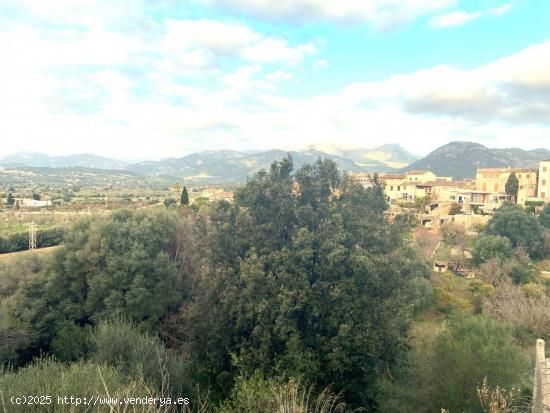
x=512, y=185
x=522, y=229
x=184, y=198
x=300, y=296
x=545, y=216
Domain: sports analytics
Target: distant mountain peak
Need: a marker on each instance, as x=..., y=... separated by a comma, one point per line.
x=461, y=159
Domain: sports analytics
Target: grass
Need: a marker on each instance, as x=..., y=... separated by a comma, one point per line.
x=11, y=255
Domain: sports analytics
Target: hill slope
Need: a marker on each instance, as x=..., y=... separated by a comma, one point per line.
x=461, y=159
x=39, y=160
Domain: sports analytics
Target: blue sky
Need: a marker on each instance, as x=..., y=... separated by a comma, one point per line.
x=139, y=79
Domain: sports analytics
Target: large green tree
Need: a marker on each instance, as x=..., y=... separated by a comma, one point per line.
x=119, y=266
x=305, y=279
x=487, y=247
x=522, y=229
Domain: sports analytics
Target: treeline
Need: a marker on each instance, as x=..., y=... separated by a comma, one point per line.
x=19, y=241
x=244, y=307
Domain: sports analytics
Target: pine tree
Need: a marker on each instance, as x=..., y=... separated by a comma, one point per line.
x=512, y=185
x=11, y=199
x=184, y=199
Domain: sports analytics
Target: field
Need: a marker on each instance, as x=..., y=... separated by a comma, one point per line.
x=40, y=251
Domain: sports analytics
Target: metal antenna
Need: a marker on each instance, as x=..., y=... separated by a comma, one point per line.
x=32, y=235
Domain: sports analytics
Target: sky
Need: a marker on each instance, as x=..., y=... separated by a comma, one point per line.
x=148, y=79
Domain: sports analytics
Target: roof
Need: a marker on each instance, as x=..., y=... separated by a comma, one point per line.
x=419, y=172
x=439, y=182
x=509, y=169
x=392, y=176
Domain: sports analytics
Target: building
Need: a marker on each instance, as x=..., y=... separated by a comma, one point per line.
x=543, y=191
x=493, y=180
x=421, y=176
x=34, y=203
x=394, y=187
x=365, y=179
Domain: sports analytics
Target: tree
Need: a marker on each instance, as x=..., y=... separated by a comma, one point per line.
x=455, y=209
x=544, y=217
x=168, y=202
x=522, y=229
x=512, y=186
x=304, y=274
x=184, y=198
x=487, y=247
x=119, y=266
x=10, y=200
x=36, y=196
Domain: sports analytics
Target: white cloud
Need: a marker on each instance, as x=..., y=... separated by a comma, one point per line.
x=201, y=84
x=457, y=18
x=499, y=11
x=234, y=40
x=279, y=76
x=379, y=14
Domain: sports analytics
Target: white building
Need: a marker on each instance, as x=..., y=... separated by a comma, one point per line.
x=35, y=203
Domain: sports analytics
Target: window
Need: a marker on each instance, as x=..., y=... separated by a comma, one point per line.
x=543, y=195
x=391, y=188
x=398, y=188
x=519, y=176
x=544, y=169
x=543, y=182
x=495, y=188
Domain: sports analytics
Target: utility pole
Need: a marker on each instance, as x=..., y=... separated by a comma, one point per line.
x=32, y=236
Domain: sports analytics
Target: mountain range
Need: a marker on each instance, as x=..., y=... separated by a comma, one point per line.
x=225, y=165
x=461, y=159
x=457, y=159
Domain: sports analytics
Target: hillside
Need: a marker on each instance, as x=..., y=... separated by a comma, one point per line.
x=461, y=159
x=379, y=158
x=40, y=160
x=224, y=165
x=233, y=166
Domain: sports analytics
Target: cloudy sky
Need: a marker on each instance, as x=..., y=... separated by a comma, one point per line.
x=144, y=79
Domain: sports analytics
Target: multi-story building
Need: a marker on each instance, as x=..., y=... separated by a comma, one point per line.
x=493, y=180
x=543, y=191
x=421, y=176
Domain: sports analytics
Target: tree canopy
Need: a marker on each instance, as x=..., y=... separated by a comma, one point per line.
x=522, y=229
x=512, y=185
x=307, y=280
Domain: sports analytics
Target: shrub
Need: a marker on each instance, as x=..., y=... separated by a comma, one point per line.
x=487, y=247
x=258, y=394
x=48, y=377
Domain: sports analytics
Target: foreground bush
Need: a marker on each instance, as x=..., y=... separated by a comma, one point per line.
x=257, y=394
x=48, y=377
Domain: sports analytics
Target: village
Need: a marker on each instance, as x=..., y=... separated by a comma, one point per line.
x=466, y=202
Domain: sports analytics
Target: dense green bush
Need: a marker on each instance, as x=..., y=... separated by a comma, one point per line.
x=48, y=377
x=140, y=355
x=19, y=241
x=487, y=247
x=446, y=373
x=522, y=229
x=122, y=265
